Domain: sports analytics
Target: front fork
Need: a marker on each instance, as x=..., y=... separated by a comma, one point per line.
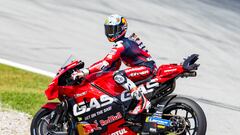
x=59, y=116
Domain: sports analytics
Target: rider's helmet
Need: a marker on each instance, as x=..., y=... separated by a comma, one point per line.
x=115, y=27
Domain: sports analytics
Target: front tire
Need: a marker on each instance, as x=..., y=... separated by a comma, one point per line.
x=38, y=120
x=184, y=110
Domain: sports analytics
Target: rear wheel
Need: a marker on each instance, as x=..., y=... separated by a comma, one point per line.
x=187, y=117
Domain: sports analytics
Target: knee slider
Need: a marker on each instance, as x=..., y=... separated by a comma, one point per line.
x=120, y=77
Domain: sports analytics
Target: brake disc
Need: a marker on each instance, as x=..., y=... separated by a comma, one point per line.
x=178, y=124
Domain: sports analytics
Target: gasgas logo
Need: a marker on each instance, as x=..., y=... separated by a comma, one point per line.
x=82, y=108
x=148, y=88
x=105, y=100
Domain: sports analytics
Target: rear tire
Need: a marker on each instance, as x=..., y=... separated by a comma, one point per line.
x=191, y=107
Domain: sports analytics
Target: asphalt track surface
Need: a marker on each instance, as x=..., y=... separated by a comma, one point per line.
x=44, y=33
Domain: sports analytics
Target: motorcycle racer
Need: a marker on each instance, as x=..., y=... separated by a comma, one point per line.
x=132, y=52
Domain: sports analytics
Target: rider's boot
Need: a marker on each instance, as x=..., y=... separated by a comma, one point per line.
x=142, y=104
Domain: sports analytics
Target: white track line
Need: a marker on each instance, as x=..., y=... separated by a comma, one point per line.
x=26, y=67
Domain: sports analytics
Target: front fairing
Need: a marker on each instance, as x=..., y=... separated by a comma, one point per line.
x=61, y=80
x=52, y=91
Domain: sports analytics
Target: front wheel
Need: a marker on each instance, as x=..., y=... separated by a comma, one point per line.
x=40, y=119
x=41, y=124
x=187, y=117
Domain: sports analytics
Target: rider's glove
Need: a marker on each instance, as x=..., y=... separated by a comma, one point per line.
x=77, y=74
x=189, y=63
x=80, y=73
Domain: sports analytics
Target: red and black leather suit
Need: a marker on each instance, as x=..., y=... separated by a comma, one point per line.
x=134, y=55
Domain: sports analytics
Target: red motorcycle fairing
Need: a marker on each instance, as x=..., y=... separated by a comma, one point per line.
x=87, y=92
x=104, y=80
x=106, y=120
x=96, y=103
x=52, y=92
x=114, y=129
x=168, y=71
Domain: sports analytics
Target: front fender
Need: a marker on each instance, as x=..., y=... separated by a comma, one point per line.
x=50, y=105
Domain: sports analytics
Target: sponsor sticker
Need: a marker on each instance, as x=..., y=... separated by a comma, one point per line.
x=169, y=70
x=82, y=108
x=111, y=119
x=80, y=94
x=120, y=132
x=100, y=112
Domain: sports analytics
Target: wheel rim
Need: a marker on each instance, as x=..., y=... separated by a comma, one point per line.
x=185, y=118
x=43, y=126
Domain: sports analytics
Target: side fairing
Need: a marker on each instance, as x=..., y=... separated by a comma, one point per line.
x=95, y=107
x=52, y=91
x=99, y=102
x=105, y=81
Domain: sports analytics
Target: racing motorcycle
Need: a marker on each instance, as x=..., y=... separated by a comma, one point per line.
x=95, y=104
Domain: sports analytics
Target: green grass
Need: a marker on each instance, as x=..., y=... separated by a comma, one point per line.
x=22, y=90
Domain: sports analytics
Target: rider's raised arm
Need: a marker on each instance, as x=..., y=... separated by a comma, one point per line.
x=111, y=57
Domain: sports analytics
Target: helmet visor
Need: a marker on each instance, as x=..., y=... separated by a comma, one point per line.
x=112, y=30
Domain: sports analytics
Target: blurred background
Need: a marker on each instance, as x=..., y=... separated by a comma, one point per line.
x=44, y=33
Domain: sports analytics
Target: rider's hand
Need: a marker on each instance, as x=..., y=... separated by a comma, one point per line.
x=80, y=73
x=77, y=74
